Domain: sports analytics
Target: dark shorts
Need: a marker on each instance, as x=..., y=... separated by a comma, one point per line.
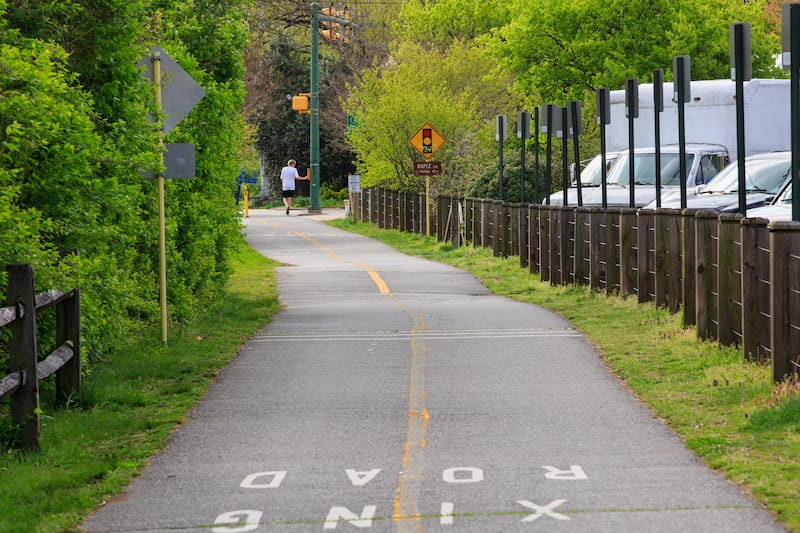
x=287, y=194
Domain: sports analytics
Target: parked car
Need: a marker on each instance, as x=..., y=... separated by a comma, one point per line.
x=765, y=175
x=591, y=176
x=779, y=209
x=703, y=161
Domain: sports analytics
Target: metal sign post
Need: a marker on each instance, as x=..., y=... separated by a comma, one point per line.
x=575, y=129
x=683, y=92
x=563, y=131
x=523, y=134
x=603, y=103
x=632, y=112
x=741, y=71
x=175, y=97
x=658, y=108
x=500, y=135
x=790, y=44
x=536, y=120
x=427, y=141
x=551, y=120
x=354, y=188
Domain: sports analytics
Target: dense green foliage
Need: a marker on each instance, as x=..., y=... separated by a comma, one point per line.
x=75, y=134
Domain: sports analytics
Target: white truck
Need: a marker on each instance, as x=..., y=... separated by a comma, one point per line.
x=710, y=136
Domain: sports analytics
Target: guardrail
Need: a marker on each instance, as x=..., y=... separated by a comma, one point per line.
x=25, y=370
x=736, y=279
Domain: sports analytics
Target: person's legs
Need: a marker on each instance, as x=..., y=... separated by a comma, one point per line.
x=287, y=200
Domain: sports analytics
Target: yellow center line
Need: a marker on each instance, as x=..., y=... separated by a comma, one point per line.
x=405, y=507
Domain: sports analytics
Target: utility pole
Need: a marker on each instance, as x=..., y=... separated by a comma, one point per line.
x=331, y=20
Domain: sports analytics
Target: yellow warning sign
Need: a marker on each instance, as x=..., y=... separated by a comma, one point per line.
x=426, y=141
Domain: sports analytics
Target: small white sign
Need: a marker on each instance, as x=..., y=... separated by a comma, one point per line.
x=353, y=183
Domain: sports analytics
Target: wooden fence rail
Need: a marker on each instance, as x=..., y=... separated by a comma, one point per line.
x=736, y=279
x=22, y=383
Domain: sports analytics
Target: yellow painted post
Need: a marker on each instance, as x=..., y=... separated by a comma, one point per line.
x=246, y=198
x=162, y=246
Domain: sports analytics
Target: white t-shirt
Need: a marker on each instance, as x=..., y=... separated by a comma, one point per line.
x=288, y=175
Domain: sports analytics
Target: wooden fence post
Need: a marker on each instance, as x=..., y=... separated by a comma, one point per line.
x=533, y=239
x=513, y=229
x=545, y=237
x=556, y=233
x=566, y=250
x=628, y=253
x=68, y=329
x=729, y=289
x=596, y=238
x=22, y=355
x=487, y=223
x=581, y=248
x=469, y=217
x=497, y=228
x=523, y=226
x=661, y=242
x=706, y=224
x=612, y=250
x=784, y=276
x=688, y=271
x=755, y=289
x=506, y=235
x=644, y=255
x=455, y=221
x=396, y=210
x=402, y=212
x=675, y=264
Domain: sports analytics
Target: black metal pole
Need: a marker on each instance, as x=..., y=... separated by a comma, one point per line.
x=738, y=54
x=536, y=154
x=548, y=176
x=602, y=101
x=794, y=36
x=564, y=152
x=658, y=107
x=522, y=170
x=632, y=111
x=575, y=108
x=680, y=71
x=501, y=125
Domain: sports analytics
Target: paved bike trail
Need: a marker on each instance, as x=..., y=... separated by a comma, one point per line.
x=392, y=393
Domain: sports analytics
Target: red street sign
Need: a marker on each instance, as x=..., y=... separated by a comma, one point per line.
x=427, y=168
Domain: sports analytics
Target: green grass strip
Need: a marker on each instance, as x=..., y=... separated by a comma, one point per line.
x=127, y=408
x=725, y=409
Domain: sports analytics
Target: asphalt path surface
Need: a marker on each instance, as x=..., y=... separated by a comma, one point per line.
x=392, y=393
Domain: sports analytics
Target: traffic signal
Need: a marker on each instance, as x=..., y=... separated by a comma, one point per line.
x=427, y=140
x=330, y=29
x=300, y=103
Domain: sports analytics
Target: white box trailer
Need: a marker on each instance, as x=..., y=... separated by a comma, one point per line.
x=710, y=116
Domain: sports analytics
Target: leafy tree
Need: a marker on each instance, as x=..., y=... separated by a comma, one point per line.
x=444, y=22
x=454, y=93
x=561, y=49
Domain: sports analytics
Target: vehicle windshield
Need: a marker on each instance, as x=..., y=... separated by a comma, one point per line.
x=761, y=175
x=591, y=176
x=786, y=197
x=645, y=169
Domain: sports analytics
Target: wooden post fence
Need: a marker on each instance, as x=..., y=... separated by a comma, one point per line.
x=22, y=383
